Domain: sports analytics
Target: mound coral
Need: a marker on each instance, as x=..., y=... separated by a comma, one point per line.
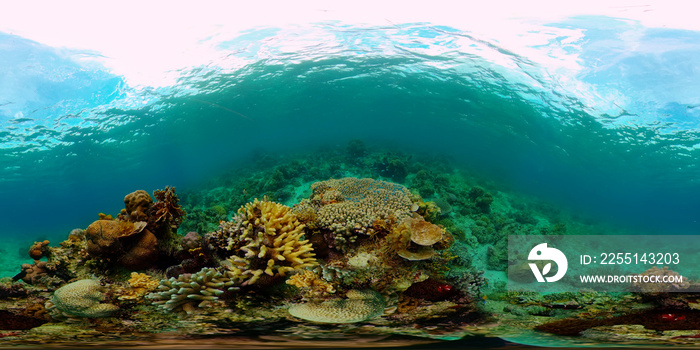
x=349, y=207
x=137, y=205
x=189, y=291
x=129, y=244
x=79, y=299
x=39, y=250
x=266, y=238
x=360, y=305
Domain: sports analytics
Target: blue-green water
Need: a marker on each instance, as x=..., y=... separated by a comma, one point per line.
x=617, y=139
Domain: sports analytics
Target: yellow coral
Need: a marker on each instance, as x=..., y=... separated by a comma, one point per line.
x=307, y=280
x=271, y=241
x=140, y=284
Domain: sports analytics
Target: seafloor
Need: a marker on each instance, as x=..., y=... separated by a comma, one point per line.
x=346, y=247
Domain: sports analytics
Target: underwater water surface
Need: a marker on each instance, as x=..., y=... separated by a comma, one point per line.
x=345, y=140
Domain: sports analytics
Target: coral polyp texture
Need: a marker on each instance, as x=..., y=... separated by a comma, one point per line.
x=191, y=291
x=359, y=306
x=81, y=298
x=266, y=239
x=349, y=207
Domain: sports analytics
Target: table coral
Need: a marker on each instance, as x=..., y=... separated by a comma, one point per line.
x=189, y=291
x=360, y=306
x=79, y=299
x=266, y=238
x=350, y=206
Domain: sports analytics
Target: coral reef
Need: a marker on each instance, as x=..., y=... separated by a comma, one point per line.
x=349, y=207
x=359, y=306
x=266, y=238
x=189, y=291
x=81, y=298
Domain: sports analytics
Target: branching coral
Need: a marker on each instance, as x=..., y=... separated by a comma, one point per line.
x=266, y=238
x=166, y=211
x=347, y=207
x=189, y=291
x=360, y=305
x=82, y=298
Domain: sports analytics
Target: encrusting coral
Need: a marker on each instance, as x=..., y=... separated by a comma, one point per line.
x=310, y=283
x=189, y=291
x=360, y=305
x=266, y=238
x=140, y=284
x=81, y=298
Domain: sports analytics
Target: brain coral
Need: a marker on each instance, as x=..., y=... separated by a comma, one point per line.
x=79, y=299
x=192, y=290
x=266, y=238
x=351, y=206
x=136, y=205
x=360, y=305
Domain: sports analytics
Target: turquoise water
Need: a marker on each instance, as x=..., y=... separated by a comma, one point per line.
x=616, y=138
